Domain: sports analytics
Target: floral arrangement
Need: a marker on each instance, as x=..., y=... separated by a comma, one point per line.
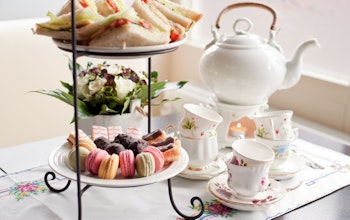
x=106, y=89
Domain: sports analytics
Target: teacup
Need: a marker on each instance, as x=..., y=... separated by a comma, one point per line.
x=275, y=125
x=201, y=152
x=281, y=149
x=197, y=120
x=247, y=181
x=250, y=152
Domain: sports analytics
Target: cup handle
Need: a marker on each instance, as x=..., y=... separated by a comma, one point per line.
x=172, y=127
x=241, y=137
x=296, y=132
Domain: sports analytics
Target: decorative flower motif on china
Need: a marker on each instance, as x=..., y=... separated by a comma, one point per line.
x=240, y=162
x=107, y=89
x=25, y=189
x=235, y=161
x=223, y=189
x=263, y=181
x=215, y=208
x=282, y=150
x=211, y=133
x=265, y=200
x=189, y=124
x=261, y=132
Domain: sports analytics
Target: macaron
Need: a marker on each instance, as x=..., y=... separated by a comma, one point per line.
x=157, y=156
x=87, y=143
x=109, y=167
x=83, y=152
x=94, y=159
x=127, y=163
x=145, y=165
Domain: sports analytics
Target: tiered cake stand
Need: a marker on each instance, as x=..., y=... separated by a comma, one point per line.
x=57, y=160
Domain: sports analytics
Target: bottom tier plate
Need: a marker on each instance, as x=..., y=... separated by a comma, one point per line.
x=59, y=164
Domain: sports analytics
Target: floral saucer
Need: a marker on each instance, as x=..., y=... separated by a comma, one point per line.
x=219, y=189
x=213, y=169
x=287, y=169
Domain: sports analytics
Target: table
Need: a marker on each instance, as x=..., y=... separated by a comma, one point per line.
x=146, y=202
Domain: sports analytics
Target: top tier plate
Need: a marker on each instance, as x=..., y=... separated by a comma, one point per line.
x=129, y=52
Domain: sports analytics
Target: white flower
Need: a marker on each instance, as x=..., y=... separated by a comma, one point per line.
x=114, y=69
x=82, y=87
x=123, y=87
x=87, y=89
x=96, y=85
x=143, y=77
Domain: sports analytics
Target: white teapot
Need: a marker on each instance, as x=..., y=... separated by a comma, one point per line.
x=245, y=69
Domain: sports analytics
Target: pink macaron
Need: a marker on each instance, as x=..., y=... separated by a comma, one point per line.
x=127, y=163
x=157, y=155
x=94, y=159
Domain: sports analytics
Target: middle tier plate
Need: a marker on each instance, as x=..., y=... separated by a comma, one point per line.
x=59, y=164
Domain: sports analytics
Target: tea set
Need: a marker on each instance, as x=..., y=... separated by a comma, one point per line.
x=243, y=70
x=258, y=162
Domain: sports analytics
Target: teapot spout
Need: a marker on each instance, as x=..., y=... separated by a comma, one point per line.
x=294, y=65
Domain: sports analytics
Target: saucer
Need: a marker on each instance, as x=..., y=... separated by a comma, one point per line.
x=287, y=169
x=219, y=189
x=213, y=169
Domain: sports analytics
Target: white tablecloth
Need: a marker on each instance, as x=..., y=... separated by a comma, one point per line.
x=23, y=192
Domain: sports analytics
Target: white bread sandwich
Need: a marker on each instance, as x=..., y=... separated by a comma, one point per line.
x=121, y=30
x=60, y=27
x=107, y=7
x=166, y=14
x=177, y=13
x=78, y=4
x=146, y=10
x=150, y=13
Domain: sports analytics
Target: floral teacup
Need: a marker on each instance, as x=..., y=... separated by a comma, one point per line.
x=250, y=153
x=282, y=149
x=197, y=120
x=274, y=125
x=247, y=181
x=201, y=152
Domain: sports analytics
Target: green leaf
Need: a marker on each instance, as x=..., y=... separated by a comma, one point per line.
x=83, y=110
x=169, y=87
x=164, y=101
x=105, y=110
x=126, y=104
x=79, y=68
x=67, y=86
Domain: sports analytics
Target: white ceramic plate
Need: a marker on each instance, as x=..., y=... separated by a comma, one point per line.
x=59, y=164
x=213, y=169
x=119, y=52
x=219, y=189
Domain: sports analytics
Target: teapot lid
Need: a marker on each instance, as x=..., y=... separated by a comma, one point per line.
x=242, y=38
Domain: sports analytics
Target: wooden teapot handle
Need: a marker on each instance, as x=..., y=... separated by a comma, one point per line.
x=248, y=4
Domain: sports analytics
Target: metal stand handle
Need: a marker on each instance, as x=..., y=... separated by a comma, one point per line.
x=193, y=199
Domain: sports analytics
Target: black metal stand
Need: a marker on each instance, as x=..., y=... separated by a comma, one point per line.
x=193, y=199
x=79, y=191
x=53, y=175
